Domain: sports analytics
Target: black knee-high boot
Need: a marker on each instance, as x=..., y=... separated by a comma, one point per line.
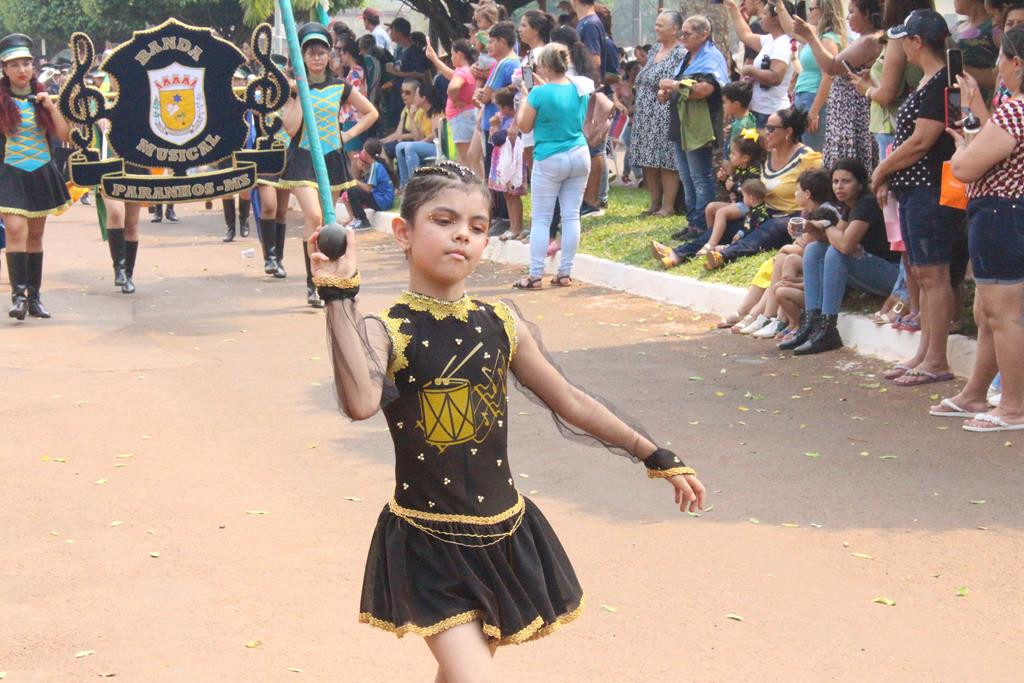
x=312, y=298
x=268, y=240
x=281, y=231
x=115, y=240
x=131, y=252
x=17, y=270
x=229, y=218
x=244, y=208
x=35, y=282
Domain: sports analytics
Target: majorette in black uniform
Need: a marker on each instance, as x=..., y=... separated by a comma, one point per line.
x=327, y=97
x=458, y=542
x=31, y=185
x=272, y=233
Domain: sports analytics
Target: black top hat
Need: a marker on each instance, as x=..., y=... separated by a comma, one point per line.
x=314, y=31
x=15, y=46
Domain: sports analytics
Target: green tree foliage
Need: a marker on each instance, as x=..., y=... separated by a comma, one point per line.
x=257, y=11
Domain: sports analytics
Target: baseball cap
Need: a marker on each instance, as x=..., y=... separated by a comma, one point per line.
x=925, y=23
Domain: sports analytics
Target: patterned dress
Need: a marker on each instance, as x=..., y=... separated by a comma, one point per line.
x=847, y=126
x=329, y=97
x=458, y=542
x=650, y=145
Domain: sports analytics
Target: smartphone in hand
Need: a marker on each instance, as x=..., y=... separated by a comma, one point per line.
x=528, y=77
x=954, y=66
x=954, y=110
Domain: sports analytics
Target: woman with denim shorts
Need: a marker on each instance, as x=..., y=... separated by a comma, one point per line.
x=913, y=172
x=992, y=162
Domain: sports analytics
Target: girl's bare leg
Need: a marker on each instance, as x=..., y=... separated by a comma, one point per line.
x=463, y=655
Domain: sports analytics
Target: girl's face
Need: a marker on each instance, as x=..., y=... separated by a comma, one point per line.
x=737, y=158
x=814, y=12
x=750, y=200
x=317, y=56
x=19, y=71
x=458, y=59
x=845, y=186
x=526, y=33
x=448, y=236
x=420, y=100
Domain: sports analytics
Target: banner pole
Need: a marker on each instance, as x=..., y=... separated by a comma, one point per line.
x=309, y=127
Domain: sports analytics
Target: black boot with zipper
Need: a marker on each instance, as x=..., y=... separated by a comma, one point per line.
x=131, y=252
x=17, y=271
x=115, y=240
x=268, y=240
x=281, y=231
x=803, y=333
x=229, y=218
x=35, y=282
x=312, y=297
x=825, y=337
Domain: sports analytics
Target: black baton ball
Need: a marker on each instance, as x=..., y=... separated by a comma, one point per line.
x=333, y=241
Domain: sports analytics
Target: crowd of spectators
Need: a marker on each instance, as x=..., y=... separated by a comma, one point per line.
x=826, y=142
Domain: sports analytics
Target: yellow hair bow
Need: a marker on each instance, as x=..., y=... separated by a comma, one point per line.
x=749, y=134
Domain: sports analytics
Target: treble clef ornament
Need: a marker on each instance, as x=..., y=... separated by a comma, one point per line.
x=82, y=104
x=268, y=92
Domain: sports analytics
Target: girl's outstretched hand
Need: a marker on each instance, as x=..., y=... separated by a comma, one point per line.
x=345, y=266
x=689, y=492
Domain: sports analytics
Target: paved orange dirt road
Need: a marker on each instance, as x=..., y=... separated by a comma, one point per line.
x=177, y=484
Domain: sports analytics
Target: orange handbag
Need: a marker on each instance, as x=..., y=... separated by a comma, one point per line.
x=954, y=192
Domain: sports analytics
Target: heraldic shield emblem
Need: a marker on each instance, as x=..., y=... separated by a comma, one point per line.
x=177, y=103
x=171, y=106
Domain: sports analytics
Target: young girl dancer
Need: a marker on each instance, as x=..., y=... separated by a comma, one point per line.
x=31, y=185
x=329, y=96
x=459, y=556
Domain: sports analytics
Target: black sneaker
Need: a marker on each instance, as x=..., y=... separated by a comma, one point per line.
x=588, y=211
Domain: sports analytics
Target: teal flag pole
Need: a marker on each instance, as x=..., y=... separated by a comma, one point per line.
x=308, y=118
x=321, y=12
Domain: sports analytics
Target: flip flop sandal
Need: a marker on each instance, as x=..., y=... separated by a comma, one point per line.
x=917, y=378
x=954, y=410
x=896, y=372
x=713, y=260
x=508, y=235
x=659, y=250
x=530, y=283
x=998, y=424
x=561, y=281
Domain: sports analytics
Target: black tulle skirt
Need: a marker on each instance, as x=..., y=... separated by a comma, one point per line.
x=298, y=172
x=521, y=587
x=33, y=193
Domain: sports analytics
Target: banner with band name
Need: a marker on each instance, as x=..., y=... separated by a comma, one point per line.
x=171, y=106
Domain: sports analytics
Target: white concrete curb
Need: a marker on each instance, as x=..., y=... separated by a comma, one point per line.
x=858, y=332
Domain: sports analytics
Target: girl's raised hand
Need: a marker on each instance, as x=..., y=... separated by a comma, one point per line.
x=689, y=492
x=345, y=266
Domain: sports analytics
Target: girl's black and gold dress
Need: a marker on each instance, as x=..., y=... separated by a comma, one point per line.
x=458, y=542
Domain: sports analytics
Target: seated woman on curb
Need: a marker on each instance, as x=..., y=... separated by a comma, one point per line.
x=854, y=252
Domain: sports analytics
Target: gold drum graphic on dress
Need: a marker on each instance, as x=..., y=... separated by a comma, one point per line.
x=454, y=411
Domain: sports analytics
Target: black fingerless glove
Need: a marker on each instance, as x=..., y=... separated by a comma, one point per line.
x=663, y=463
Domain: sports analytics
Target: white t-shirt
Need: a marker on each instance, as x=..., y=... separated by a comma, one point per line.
x=768, y=100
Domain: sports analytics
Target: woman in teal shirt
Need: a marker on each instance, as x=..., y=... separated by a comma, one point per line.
x=812, y=86
x=555, y=111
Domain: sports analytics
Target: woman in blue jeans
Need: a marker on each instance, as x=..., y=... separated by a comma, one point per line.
x=697, y=119
x=854, y=252
x=554, y=110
